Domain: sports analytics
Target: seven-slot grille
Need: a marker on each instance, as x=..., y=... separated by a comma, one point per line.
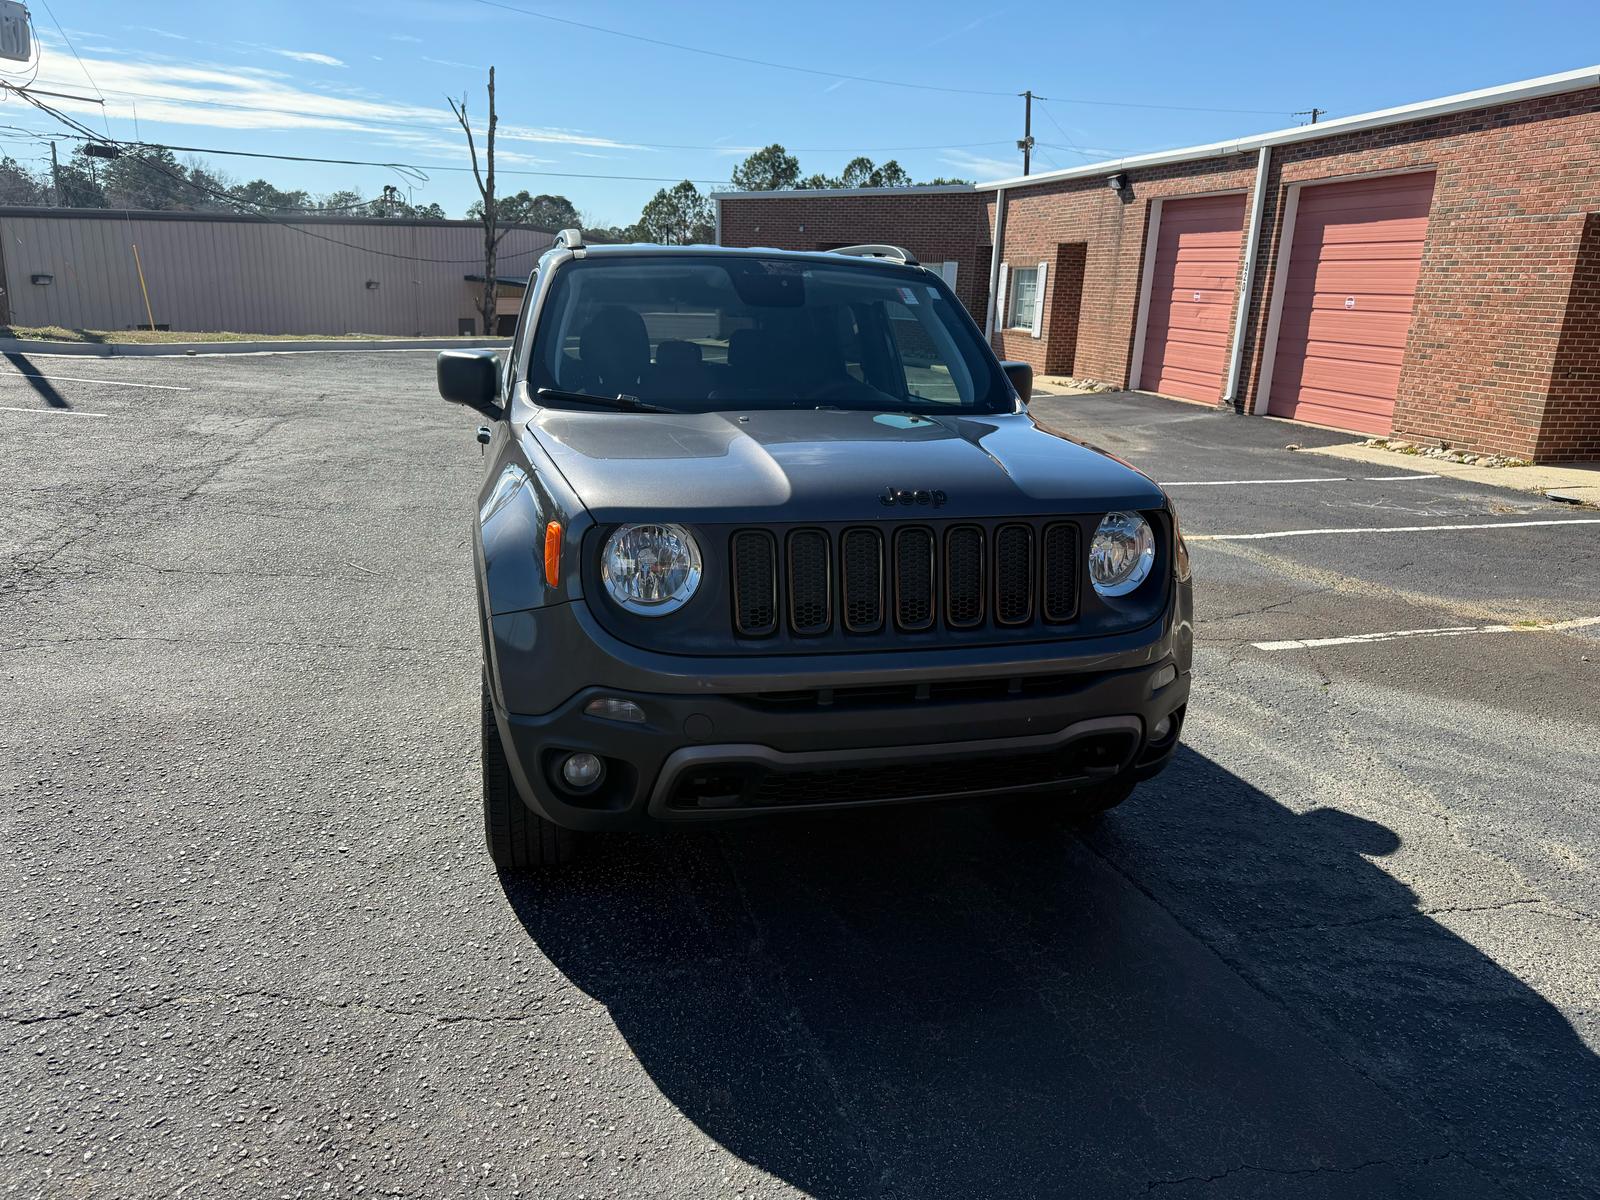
x=910, y=577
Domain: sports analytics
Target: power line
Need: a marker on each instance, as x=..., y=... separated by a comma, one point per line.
x=234, y=201
x=620, y=143
x=755, y=62
x=62, y=30
x=364, y=162
x=900, y=83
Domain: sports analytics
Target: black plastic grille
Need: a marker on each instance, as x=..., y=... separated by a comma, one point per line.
x=875, y=579
x=1060, y=573
x=1013, y=574
x=963, y=576
x=861, y=552
x=755, y=582
x=809, y=584
x=913, y=578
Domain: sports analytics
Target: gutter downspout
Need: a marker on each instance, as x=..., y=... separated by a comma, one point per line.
x=996, y=252
x=716, y=208
x=1258, y=203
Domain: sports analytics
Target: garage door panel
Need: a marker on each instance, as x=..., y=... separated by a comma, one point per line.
x=1354, y=263
x=1189, y=319
x=1336, y=327
x=1356, y=353
x=1365, y=302
x=1344, y=410
x=1373, y=277
x=1194, y=316
x=1367, y=380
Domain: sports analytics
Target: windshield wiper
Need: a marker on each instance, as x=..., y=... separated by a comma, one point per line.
x=619, y=403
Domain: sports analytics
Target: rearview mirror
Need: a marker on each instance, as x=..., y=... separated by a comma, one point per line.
x=470, y=377
x=1019, y=373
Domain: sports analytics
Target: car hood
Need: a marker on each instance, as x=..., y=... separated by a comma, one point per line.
x=827, y=465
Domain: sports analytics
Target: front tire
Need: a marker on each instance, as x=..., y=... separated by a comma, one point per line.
x=518, y=838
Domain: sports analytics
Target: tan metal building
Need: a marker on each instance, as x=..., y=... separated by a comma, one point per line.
x=221, y=271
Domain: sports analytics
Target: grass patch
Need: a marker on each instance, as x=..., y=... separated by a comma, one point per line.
x=55, y=333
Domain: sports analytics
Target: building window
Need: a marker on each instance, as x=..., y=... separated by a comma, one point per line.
x=1024, y=297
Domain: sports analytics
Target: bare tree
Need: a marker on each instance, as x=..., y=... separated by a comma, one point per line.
x=489, y=213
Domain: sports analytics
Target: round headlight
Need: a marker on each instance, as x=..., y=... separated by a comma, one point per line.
x=1121, y=553
x=651, y=569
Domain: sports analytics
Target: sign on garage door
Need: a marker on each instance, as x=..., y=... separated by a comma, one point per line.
x=1190, y=318
x=1354, y=260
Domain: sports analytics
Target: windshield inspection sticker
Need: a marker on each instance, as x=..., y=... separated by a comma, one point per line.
x=908, y=295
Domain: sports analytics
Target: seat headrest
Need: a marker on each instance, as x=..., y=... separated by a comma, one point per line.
x=614, y=346
x=678, y=354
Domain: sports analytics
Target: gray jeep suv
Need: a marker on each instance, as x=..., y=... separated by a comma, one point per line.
x=767, y=532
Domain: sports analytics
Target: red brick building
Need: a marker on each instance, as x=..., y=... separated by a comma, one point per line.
x=1431, y=271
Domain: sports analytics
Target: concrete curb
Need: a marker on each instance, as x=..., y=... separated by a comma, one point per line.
x=298, y=346
x=1580, y=483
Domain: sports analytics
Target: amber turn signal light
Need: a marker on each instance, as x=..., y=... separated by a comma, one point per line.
x=552, y=553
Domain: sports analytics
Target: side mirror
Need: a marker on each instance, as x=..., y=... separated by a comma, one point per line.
x=470, y=377
x=1019, y=373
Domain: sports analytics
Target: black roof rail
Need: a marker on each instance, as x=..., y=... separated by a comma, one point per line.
x=873, y=250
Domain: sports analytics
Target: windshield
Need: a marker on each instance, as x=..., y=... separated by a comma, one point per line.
x=703, y=333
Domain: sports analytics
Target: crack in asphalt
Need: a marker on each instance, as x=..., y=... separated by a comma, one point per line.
x=1292, y=1172
x=196, y=999
x=1445, y=910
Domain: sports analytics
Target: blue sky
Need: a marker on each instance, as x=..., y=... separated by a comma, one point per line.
x=367, y=79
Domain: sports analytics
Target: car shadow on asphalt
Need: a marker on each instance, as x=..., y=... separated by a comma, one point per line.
x=951, y=1002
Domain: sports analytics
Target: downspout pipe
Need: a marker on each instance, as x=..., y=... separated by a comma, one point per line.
x=1258, y=204
x=996, y=253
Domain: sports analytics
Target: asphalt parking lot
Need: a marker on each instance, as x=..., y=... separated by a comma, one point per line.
x=252, y=946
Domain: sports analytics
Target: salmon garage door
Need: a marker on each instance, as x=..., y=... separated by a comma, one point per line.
x=1190, y=320
x=1353, y=268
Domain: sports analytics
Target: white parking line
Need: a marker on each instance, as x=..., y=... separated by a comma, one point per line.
x=1283, y=533
x=159, y=387
x=1442, y=631
x=1308, y=479
x=53, y=412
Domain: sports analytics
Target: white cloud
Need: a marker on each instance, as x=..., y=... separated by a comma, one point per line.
x=561, y=137
x=404, y=37
x=981, y=166
x=311, y=56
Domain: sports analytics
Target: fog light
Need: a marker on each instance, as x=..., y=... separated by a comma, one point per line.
x=582, y=770
x=1157, y=735
x=610, y=708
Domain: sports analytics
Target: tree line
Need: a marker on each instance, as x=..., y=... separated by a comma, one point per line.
x=153, y=178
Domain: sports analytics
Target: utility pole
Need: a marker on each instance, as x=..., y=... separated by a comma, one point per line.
x=1026, y=144
x=1313, y=113
x=55, y=174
